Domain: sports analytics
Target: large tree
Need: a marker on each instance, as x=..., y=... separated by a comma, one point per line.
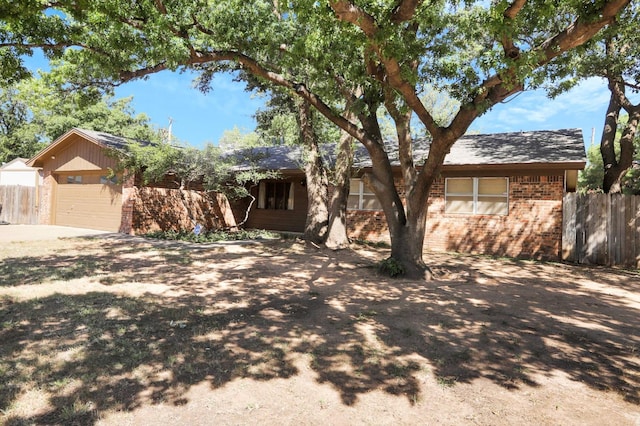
x=369, y=53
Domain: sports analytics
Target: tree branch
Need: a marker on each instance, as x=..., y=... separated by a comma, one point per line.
x=498, y=87
x=348, y=12
x=510, y=49
x=402, y=122
x=126, y=76
x=579, y=32
x=161, y=7
x=405, y=10
x=515, y=8
x=632, y=85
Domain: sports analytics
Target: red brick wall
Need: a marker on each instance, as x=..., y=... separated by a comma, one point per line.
x=367, y=225
x=532, y=229
x=45, y=204
x=129, y=194
x=153, y=209
x=370, y=225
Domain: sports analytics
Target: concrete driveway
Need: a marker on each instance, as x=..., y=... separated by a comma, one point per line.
x=9, y=233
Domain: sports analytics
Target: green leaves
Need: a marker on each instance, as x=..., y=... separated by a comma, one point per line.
x=36, y=111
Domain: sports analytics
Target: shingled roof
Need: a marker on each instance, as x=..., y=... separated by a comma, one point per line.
x=560, y=147
x=108, y=140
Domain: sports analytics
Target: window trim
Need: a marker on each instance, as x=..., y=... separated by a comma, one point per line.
x=362, y=191
x=73, y=180
x=106, y=180
x=476, y=196
x=262, y=195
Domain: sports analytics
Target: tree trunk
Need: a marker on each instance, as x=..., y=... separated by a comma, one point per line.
x=337, y=236
x=615, y=168
x=407, y=242
x=316, y=225
x=614, y=174
x=607, y=143
x=407, y=236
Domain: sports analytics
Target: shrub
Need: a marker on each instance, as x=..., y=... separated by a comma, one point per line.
x=391, y=267
x=212, y=236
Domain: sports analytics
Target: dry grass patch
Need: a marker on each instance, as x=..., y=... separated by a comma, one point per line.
x=99, y=331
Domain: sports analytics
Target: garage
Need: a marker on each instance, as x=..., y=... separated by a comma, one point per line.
x=88, y=200
x=78, y=187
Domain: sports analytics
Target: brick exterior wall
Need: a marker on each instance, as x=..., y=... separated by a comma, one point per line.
x=153, y=209
x=129, y=194
x=45, y=203
x=532, y=229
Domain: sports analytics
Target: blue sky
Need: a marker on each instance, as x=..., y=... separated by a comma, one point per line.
x=583, y=107
x=200, y=118
x=197, y=118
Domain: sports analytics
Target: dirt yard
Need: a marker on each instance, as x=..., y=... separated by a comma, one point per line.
x=123, y=331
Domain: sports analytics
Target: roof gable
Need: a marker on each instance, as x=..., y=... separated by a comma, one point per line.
x=101, y=139
x=16, y=164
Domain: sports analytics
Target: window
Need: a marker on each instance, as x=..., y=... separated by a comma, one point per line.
x=105, y=180
x=477, y=196
x=275, y=195
x=361, y=197
x=74, y=179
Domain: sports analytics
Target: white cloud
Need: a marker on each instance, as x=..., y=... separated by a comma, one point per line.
x=581, y=107
x=588, y=96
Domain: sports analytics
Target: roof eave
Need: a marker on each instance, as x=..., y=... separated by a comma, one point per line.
x=55, y=144
x=560, y=165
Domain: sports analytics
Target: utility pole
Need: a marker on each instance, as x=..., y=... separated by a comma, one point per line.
x=169, y=132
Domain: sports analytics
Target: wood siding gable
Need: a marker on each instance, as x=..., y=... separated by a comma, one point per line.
x=80, y=154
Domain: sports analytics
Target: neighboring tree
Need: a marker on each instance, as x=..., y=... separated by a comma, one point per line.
x=293, y=122
x=317, y=181
x=615, y=56
x=592, y=177
x=616, y=165
x=236, y=138
x=368, y=54
x=35, y=112
x=288, y=121
x=278, y=121
x=337, y=233
x=17, y=137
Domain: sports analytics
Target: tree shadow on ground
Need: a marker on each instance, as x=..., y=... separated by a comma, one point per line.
x=253, y=312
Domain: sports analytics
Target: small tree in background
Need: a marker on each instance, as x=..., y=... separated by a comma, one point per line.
x=614, y=55
x=35, y=112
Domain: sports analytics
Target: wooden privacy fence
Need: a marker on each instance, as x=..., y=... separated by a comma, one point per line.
x=19, y=204
x=601, y=229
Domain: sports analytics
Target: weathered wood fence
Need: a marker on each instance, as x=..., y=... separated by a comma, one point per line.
x=601, y=229
x=19, y=204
